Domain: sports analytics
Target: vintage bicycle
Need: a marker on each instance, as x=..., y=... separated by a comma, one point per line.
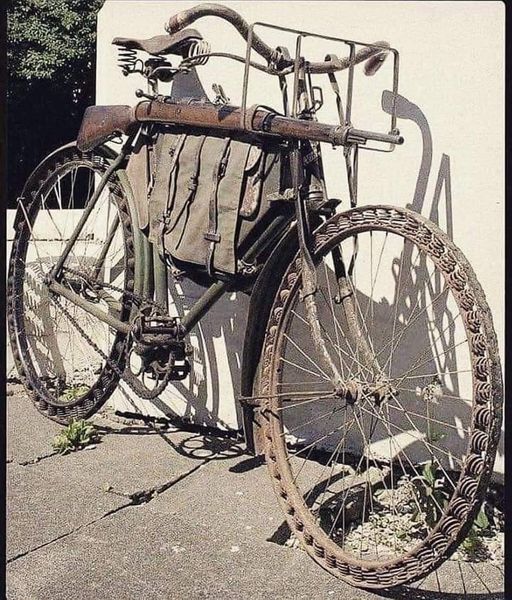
x=367, y=332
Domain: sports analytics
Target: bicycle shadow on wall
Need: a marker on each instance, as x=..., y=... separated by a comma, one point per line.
x=407, y=110
x=219, y=338
x=416, y=343
x=412, y=330
x=416, y=309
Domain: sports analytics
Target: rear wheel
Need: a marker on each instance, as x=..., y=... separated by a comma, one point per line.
x=381, y=484
x=68, y=359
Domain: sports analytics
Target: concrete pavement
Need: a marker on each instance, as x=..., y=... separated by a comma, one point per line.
x=176, y=515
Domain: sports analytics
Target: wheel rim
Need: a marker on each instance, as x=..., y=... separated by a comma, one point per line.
x=297, y=488
x=63, y=368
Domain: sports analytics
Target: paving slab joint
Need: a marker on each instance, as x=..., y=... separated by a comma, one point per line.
x=137, y=498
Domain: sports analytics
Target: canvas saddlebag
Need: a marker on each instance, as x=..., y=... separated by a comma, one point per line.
x=206, y=192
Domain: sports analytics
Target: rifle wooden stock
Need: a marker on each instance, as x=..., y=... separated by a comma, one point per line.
x=230, y=118
x=102, y=122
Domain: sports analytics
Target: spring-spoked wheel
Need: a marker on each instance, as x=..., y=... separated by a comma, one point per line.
x=381, y=480
x=68, y=359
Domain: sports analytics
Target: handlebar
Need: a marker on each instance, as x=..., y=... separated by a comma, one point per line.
x=374, y=55
x=374, y=58
x=186, y=17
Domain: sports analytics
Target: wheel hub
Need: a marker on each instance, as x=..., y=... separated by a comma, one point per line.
x=353, y=391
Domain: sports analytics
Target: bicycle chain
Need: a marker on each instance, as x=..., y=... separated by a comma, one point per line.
x=127, y=376
x=136, y=297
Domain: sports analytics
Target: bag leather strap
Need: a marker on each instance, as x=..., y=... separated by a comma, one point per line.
x=212, y=234
x=192, y=187
x=163, y=211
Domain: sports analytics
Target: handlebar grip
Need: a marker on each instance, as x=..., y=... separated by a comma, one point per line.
x=374, y=63
x=374, y=56
x=186, y=17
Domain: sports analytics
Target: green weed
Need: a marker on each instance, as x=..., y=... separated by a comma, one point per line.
x=72, y=393
x=74, y=437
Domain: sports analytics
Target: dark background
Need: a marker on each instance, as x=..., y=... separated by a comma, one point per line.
x=51, y=54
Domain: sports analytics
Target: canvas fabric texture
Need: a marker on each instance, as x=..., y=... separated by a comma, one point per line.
x=206, y=193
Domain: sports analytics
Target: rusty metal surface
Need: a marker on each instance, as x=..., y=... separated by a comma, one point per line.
x=456, y=521
x=102, y=122
x=262, y=121
x=186, y=17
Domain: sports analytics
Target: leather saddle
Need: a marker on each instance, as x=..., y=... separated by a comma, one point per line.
x=177, y=43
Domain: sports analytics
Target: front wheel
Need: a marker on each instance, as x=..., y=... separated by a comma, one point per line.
x=68, y=359
x=380, y=485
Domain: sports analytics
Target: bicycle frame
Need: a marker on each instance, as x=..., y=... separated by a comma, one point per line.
x=322, y=339
x=154, y=281
x=296, y=127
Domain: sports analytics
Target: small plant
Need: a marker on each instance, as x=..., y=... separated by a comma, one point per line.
x=72, y=393
x=481, y=522
x=472, y=543
x=74, y=437
x=432, y=495
x=435, y=435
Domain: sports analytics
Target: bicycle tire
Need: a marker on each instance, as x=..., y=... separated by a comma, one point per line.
x=44, y=200
x=443, y=537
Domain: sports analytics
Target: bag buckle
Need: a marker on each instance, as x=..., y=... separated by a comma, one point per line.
x=212, y=236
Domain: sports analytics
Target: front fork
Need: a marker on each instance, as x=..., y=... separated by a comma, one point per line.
x=346, y=295
x=347, y=299
x=309, y=279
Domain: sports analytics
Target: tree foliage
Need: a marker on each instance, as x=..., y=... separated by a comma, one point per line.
x=50, y=66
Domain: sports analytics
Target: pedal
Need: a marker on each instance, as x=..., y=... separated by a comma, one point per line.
x=159, y=325
x=181, y=371
x=157, y=370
